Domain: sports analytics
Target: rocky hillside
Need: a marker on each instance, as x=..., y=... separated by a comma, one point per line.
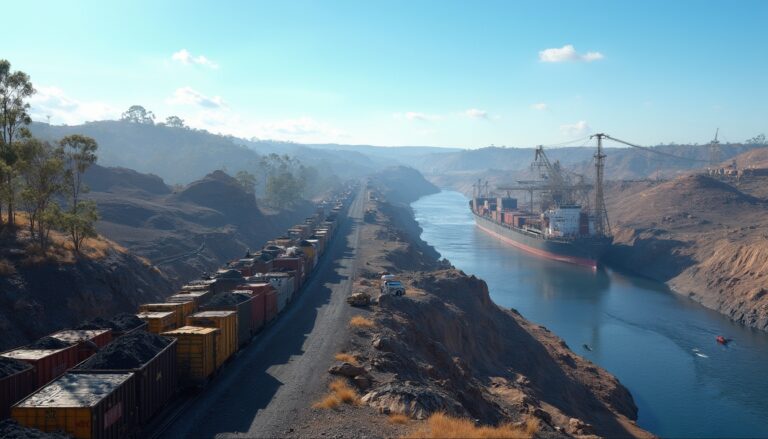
x=39, y=295
x=707, y=238
x=402, y=184
x=446, y=347
x=207, y=223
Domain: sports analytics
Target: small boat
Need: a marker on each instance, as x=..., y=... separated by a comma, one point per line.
x=586, y=346
x=722, y=340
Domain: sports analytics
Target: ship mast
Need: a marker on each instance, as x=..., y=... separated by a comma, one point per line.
x=602, y=227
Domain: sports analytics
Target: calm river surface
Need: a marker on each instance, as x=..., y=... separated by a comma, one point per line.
x=660, y=345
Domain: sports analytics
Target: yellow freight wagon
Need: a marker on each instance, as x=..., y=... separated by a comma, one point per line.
x=186, y=297
x=159, y=321
x=226, y=321
x=84, y=405
x=182, y=309
x=195, y=352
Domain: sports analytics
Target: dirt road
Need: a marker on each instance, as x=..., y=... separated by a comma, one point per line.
x=277, y=377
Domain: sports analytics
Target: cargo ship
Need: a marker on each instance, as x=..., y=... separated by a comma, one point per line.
x=561, y=230
x=563, y=233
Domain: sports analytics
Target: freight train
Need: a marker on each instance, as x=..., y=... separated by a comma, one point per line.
x=111, y=378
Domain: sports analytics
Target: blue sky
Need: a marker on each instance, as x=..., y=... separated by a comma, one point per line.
x=413, y=72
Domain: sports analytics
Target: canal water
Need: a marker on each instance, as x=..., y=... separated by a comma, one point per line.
x=660, y=345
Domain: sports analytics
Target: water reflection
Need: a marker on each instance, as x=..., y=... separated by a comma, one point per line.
x=659, y=344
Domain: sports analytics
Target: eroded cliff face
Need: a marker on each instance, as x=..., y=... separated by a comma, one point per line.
x=706, y=238
x=446, y=347
x=40, y=297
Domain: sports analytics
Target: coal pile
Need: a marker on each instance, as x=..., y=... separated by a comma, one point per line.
x=49, y=343
x=223, y=300
x=130, y=351
x=10, y=429
x=9, y=366
x=120, y=323
x=97, y=323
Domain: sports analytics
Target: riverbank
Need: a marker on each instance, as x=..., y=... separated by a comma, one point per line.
x=706, y=238
x=446, y=347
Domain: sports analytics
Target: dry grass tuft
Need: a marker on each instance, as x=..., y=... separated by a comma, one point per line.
x=7, y=268
x=329, y=402
x=346, y=358
x=441, y=425
x=343, y=392
x=398, y=418
x=361, y=322
x=340, y=393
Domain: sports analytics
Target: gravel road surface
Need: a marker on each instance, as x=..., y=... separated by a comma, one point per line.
x=274, y=381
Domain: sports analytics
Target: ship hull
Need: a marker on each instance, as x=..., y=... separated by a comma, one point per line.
x=584, y=251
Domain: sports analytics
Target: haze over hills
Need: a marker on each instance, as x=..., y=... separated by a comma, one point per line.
x=195, y=153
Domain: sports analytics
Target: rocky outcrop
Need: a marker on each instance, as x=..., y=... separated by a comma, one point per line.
x=37, y=298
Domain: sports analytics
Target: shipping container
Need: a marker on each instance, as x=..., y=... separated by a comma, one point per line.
x=199, y=297
x=180, y=298
x=257, y=309
x=159, y=321
x=181, y=309
x=226, y=321
x=242, y=304
x=84, y=405
x=88, y=341
x=49, y=363
x=195, y=353
x=270, y=306
x=18, y=381
x=156, y=375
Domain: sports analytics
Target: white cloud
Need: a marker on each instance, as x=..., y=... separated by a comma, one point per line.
x=189, y=96
x=414, y=115
x=54, y=103
x=474, y=113
x=540, y=106
x=567, y=53
x=580, y=128
x=185, y=57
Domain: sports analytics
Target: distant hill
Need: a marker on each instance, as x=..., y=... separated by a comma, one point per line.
x=177, y=155
x=459, y=169
x=196, y=229
x=181, y=155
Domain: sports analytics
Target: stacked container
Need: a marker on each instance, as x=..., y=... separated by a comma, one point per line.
x=244, y=310
x=226, y=322
x=180, y=309
x=159, y=321
x=195, y=353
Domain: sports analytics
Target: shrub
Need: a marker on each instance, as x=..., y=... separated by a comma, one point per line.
x=346, y=358
x=440, y=425
x=398, y=418
x=361, y=322
x=329, y=402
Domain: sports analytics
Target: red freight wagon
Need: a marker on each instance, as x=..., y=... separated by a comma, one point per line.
x=15, y=386
x=293, y=264
x=88, y=341
x=49, y=363
x=259, y=293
